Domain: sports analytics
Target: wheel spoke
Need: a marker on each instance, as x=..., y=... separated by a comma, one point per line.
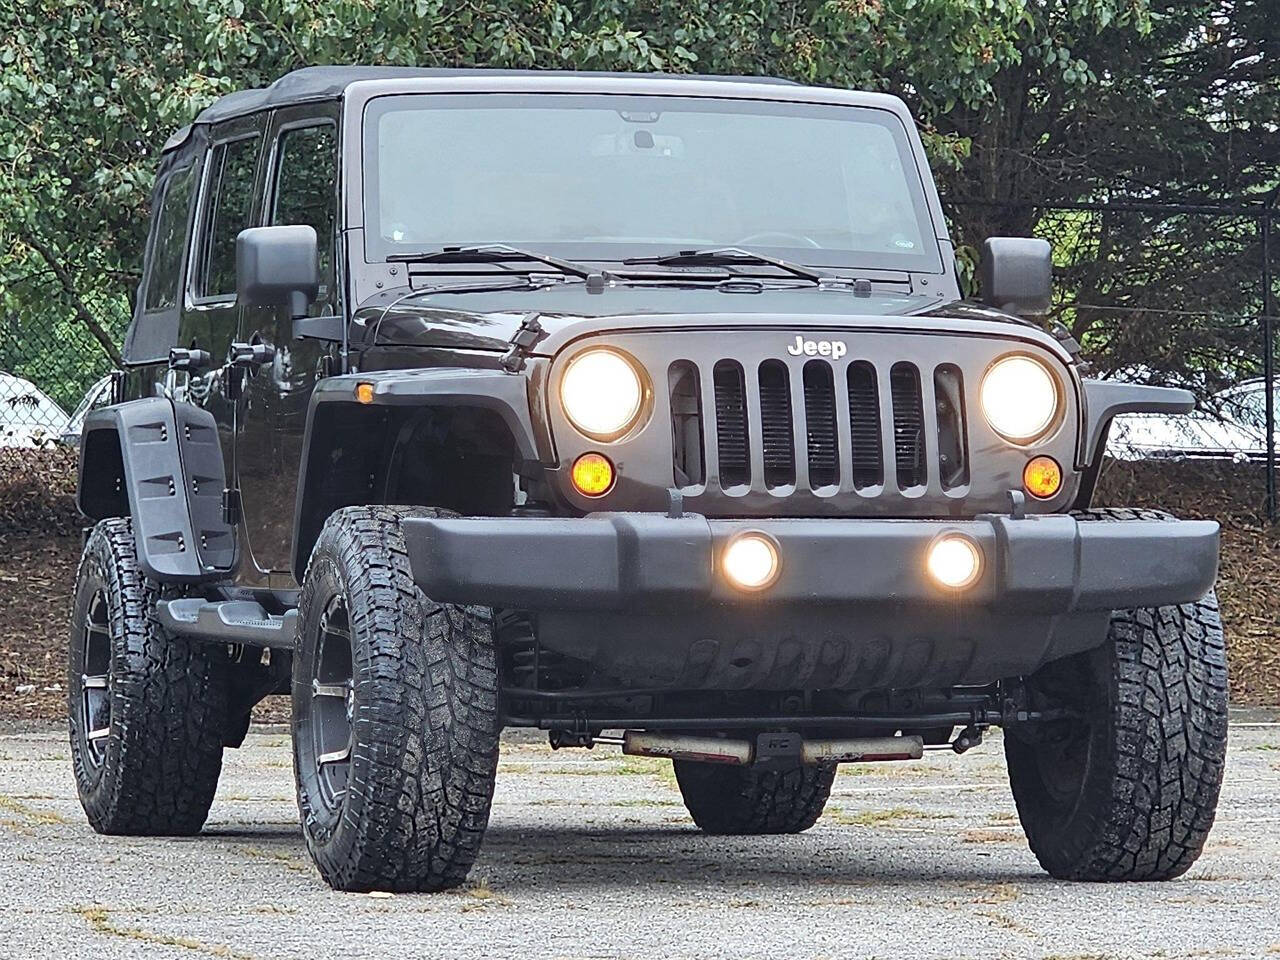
x=100, y=734
x=339, y=690
x=98, y=682
x=337, y=756
x=101, y=629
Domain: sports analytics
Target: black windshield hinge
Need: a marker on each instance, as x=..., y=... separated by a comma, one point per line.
x=526, y=338
x=1069, y=343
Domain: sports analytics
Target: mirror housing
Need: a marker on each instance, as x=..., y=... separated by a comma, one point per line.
x=278, y=267
x=1016, y=274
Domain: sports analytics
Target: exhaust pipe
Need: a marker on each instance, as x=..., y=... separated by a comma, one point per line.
x=675, y=746
x=863, y=749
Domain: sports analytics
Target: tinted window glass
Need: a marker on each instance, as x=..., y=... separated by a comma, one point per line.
x=230, y=204
x=305, y=189
x=169, y=241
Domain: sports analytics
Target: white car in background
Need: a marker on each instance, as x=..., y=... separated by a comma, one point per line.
x=1232, y=428
x=98, y=395
x=29, y=418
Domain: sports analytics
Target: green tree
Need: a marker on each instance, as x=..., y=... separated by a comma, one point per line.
x=1015, y=99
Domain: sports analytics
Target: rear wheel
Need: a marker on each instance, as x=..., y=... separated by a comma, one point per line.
x=146, y=708
x=748, y=800
x=395, y=714
x=1128, y=792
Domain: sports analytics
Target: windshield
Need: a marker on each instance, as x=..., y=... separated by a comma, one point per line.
x=607, y=177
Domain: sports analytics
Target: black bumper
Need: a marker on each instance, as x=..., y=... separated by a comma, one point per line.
x=637, y=600
x=648, y=562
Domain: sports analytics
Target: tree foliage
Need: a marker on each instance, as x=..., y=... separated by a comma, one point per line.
x=1016, y=99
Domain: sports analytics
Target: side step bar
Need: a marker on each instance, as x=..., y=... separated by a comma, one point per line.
x=228, y=621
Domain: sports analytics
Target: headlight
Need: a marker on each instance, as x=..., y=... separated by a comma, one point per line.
x=602, y=393
x=1019, y=398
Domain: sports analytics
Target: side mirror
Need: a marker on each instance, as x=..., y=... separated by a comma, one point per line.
x=1016, y=274
x=278, y=267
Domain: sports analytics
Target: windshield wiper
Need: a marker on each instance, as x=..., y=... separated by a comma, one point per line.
x=733, y=256
x=502, y=253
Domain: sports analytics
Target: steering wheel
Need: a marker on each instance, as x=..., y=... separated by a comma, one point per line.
x=788, y=239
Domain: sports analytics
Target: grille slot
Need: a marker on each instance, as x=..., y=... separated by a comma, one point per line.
x=687, y=461
x=908, y=425
x=732, y=451
x=953, y=445
x=776, y=437
x=864, y=425
x=820, y=424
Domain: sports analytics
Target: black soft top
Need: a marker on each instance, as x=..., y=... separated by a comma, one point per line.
x=329, y=82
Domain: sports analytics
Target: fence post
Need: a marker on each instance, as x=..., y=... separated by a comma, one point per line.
x=1268, y=363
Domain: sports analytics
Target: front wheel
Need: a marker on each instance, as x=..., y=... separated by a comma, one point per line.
x=1130, y=791
x=395, y=722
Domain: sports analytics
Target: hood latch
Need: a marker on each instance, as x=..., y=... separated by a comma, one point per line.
x=528, y=336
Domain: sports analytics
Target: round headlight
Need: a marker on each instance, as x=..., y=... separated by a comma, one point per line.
x=1019, y=398
x=602, y=394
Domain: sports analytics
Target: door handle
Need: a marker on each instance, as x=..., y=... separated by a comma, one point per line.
x=250, y=355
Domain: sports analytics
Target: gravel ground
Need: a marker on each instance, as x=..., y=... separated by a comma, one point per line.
x=592, y=855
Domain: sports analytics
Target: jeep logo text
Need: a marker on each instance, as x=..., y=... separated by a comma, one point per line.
x=835, y=349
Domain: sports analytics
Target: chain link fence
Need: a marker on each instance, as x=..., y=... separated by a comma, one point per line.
x=1167, y=294
x=52, y=372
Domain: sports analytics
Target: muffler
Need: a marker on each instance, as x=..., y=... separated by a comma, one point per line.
x=776, y=747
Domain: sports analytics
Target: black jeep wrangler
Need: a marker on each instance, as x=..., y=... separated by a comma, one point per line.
x=643, y=410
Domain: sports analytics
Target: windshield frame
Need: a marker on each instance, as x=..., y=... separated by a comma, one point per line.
x=885, y=111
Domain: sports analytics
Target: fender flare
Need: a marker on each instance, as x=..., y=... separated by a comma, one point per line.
x=1107, y=399
x=160, y=463
x=497, y=391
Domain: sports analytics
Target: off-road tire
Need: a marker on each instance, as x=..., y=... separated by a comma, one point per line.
x=424, y=731
x=1144, y=778
x=155, y=771
x=745, y=800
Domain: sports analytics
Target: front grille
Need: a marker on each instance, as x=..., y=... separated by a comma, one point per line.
x=823, y=424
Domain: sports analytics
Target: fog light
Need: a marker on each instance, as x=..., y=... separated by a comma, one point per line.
x=1042, y=477
x=750, y=561
x=954, y=561
x=592, y=474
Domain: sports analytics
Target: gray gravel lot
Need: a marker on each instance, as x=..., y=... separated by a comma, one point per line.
x=592, y=855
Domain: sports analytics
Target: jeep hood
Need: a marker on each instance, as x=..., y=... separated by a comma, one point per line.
x=488, y=320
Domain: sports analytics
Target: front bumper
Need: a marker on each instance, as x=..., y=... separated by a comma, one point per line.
x=639, y=562
x=637, y=600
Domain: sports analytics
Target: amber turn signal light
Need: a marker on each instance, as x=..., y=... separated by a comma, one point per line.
x=364, y=392
x=1042, y=477
x=592, y=475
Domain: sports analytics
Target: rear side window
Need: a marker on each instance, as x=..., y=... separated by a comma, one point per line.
x=305, y=190
x=169, y=241
x=229, y=207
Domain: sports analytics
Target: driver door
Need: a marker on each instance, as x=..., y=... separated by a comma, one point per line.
x=301, y=188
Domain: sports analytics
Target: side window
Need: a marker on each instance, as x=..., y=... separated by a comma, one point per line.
x=228, y=209
x=305, y=191
x=169, y=241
